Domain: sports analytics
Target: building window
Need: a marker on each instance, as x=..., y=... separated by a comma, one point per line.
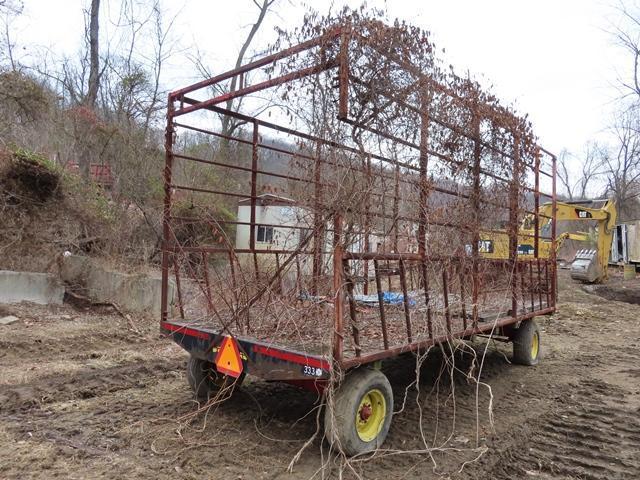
x=264, y=234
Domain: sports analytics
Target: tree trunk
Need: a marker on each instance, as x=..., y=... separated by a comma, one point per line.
x=94, y=61
x=84, y=162
x=228, y=124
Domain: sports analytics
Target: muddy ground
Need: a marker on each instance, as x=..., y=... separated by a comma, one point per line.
x=87, y=394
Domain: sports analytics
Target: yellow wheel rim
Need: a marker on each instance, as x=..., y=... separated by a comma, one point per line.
x=370, y=415
x=535, y=346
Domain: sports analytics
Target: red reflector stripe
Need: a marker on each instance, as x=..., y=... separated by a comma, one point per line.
x=184, y=330
x=291, y=357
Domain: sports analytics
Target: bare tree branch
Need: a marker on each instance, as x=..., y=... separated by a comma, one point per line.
x=263, y=9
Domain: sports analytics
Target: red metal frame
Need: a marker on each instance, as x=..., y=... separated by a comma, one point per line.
x=531, y=285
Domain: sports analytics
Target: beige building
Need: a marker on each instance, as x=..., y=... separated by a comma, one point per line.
x=281, y=225
x=278, y=221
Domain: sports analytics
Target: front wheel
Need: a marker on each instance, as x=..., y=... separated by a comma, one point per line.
x=358, y=417
x=526, y=343
x=206, y=381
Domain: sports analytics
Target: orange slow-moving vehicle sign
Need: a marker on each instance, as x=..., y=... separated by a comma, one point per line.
x=228, y=360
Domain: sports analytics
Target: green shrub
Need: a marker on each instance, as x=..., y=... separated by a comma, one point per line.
x=33, y=175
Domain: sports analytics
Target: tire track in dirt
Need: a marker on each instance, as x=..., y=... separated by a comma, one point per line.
x=99, y=436
x=83, y=384
x=14, y=353
x=596, y=436
x=33, y=367
x=63, y=340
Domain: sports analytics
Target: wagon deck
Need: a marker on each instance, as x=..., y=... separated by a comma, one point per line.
x=277, y=333
x=317, y=343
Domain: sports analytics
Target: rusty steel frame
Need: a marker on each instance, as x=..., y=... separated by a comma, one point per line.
x=541, y=270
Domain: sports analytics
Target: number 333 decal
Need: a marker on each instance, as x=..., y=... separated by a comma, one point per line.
x=312, y=371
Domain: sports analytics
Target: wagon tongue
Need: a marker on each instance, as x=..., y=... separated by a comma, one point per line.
x=228, y=360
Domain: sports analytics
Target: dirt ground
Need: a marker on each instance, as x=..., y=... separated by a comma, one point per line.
x=86, y=394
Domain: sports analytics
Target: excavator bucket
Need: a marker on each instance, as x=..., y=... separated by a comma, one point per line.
x=585, y=267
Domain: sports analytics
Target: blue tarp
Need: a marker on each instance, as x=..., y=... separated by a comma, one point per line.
x=392, y=298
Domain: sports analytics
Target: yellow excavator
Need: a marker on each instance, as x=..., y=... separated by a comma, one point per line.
x=589, y=265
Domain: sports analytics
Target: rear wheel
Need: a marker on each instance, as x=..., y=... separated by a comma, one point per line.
x=359, y=417
x=206, y=381
x=526, y=343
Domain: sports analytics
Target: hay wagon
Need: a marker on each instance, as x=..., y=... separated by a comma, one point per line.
x=340, y=225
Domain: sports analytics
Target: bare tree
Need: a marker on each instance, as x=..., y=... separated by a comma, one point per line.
x=622, y=161
x=565, y=158
x=622, y=166
x=162, y=51
x=130, y=89
x=578, y=183
x=132, y=95
x=627, y=35
x=9, y=10
x=230, y=125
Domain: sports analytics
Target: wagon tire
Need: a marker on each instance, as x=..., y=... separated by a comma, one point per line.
x=358, y=417
x=526, y=343
x=205, y=381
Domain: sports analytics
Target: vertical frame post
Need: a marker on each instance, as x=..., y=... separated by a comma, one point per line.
x=343, y=76
x=176, y=270
x=445, y=298
x=254, y=187
x=405, y=299
x=367, y=226
x=338, y=300
x=536, y=198
x=554, y=202
x=475, y=205
x=513, y=224
x=461, y=276
x=318, y=223
x=396, y=208
x=166, y=220
x=422, y=204
x=254, y=196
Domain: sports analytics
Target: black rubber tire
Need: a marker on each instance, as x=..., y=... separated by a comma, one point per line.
x=340, y=416
x=205, y=381
x=523, y=340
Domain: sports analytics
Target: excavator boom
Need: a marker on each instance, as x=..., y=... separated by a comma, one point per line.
x=589, y=265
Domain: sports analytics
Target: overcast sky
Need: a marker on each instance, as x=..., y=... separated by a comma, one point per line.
x=554, y=59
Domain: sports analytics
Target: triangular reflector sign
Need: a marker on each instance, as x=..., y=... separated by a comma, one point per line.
x=228, y=359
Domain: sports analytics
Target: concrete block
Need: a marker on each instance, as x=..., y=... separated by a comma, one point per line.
x=8, y=320
x=42, y=288
x=134, y=292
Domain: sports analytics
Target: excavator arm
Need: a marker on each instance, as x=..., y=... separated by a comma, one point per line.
x=589, y=266
x=593, y=265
